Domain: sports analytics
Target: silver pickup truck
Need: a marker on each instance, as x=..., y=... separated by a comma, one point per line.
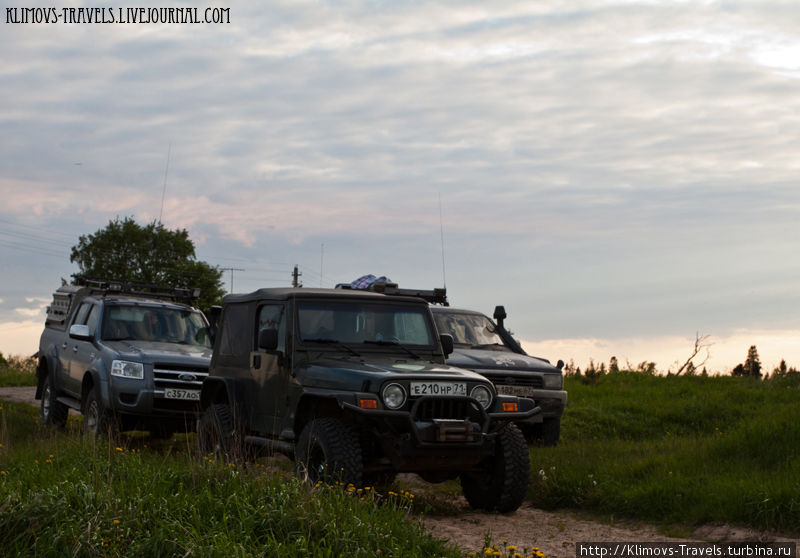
x=126, y=357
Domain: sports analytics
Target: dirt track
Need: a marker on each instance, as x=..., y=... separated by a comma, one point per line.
x=554, y=533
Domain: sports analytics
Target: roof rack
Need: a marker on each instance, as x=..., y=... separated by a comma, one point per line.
x=432, y=296
x=137, y=288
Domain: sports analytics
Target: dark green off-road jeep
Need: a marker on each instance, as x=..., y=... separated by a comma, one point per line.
x=353, y=386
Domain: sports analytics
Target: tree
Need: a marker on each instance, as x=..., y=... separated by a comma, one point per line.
x=752, y=364
x=153, y=254
x=701, y=345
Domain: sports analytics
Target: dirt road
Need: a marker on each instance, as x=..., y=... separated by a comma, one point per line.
x=554, y=533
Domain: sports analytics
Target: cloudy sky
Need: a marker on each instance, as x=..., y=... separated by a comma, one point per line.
x=621, y=175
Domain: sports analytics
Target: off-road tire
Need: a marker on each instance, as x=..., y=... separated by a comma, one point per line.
x=328, y=451
x=503, y=484
x=217, y=434
x=52, y=412
x=97, y=420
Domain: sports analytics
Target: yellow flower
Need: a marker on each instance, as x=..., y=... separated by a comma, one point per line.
x=116, y=522
x=118, y=449
x=2, y=473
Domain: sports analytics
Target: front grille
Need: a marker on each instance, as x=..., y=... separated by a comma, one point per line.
x=529, y=381
x=178, y=377
x=451, y=408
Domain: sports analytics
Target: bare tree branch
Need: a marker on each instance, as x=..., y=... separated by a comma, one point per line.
x=701, y=344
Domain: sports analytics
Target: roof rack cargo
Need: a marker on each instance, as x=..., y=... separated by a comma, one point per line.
x=432, y=296
x=137, y=288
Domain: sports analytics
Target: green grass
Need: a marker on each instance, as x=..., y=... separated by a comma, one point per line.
x=676, y=451
x=63, y=495
x=17, y=371
x=686, y=450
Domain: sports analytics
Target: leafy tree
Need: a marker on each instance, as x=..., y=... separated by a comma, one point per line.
x=153, y=254
x=613, y=365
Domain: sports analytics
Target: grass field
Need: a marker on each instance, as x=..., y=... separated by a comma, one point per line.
x=687, y=450
x=676, y=451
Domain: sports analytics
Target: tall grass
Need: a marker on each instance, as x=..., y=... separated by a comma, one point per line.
x=677, y=449
x=17, y=371
x=63, y=495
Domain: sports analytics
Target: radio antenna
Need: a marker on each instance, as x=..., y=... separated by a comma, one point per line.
x=164, y=190
x=441, y=234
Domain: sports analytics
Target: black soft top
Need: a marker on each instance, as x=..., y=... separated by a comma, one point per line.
x=288, y=293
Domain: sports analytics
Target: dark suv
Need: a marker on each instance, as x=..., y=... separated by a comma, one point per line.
x=354, y=387
x=127, y=358
x=489, y=349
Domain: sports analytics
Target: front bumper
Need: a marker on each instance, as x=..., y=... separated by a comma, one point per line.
x=416, y=438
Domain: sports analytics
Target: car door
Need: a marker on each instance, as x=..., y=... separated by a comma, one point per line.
x=69, y=350
x=270, y=371
x=84, y=351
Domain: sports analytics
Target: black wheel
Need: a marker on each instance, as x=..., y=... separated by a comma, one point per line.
x=217, y=433
x=503, y=484
x=53, y=412
x=97, y=420
x=551, y=431
x=328, y=450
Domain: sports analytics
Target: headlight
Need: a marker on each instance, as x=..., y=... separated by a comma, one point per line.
x=483, y=395
x=127, y=369
x=552, y=381
x=394, y=396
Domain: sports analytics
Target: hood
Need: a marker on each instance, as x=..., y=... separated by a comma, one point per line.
x=482, y=359
x=352, y=373
x=151, y=351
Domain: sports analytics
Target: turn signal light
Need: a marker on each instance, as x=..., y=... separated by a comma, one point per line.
x=510, y=407
x=368, y=403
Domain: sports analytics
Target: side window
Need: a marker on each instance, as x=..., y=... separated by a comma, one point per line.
x=234, y=336
x=273, y=316
x=93, y=319
x=82, y=313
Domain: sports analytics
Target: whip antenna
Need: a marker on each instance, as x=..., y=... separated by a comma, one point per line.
x=164, y=190
x=441, y=234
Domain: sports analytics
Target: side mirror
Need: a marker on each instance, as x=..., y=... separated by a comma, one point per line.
x=447, y=343
x=213, y=314
x=268, y=339
x=499, y=315
x=80, y=331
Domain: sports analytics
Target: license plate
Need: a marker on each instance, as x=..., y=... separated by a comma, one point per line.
x=519, y=391
x=189, y=394
x=438, y=388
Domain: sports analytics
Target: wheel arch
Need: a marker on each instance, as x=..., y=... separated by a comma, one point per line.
x=311, y=406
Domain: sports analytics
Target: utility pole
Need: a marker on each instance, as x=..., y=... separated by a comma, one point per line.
x=231, y=269
x=296, y=278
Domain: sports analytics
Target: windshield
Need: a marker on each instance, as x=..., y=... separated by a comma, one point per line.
x=149, y=323
x=467, y=329
x=354, y=322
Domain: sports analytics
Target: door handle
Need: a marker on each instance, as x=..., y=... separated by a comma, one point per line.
x=75, y=349
x=64, y=345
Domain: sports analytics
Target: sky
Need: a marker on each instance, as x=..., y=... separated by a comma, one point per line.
x=620, y=175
